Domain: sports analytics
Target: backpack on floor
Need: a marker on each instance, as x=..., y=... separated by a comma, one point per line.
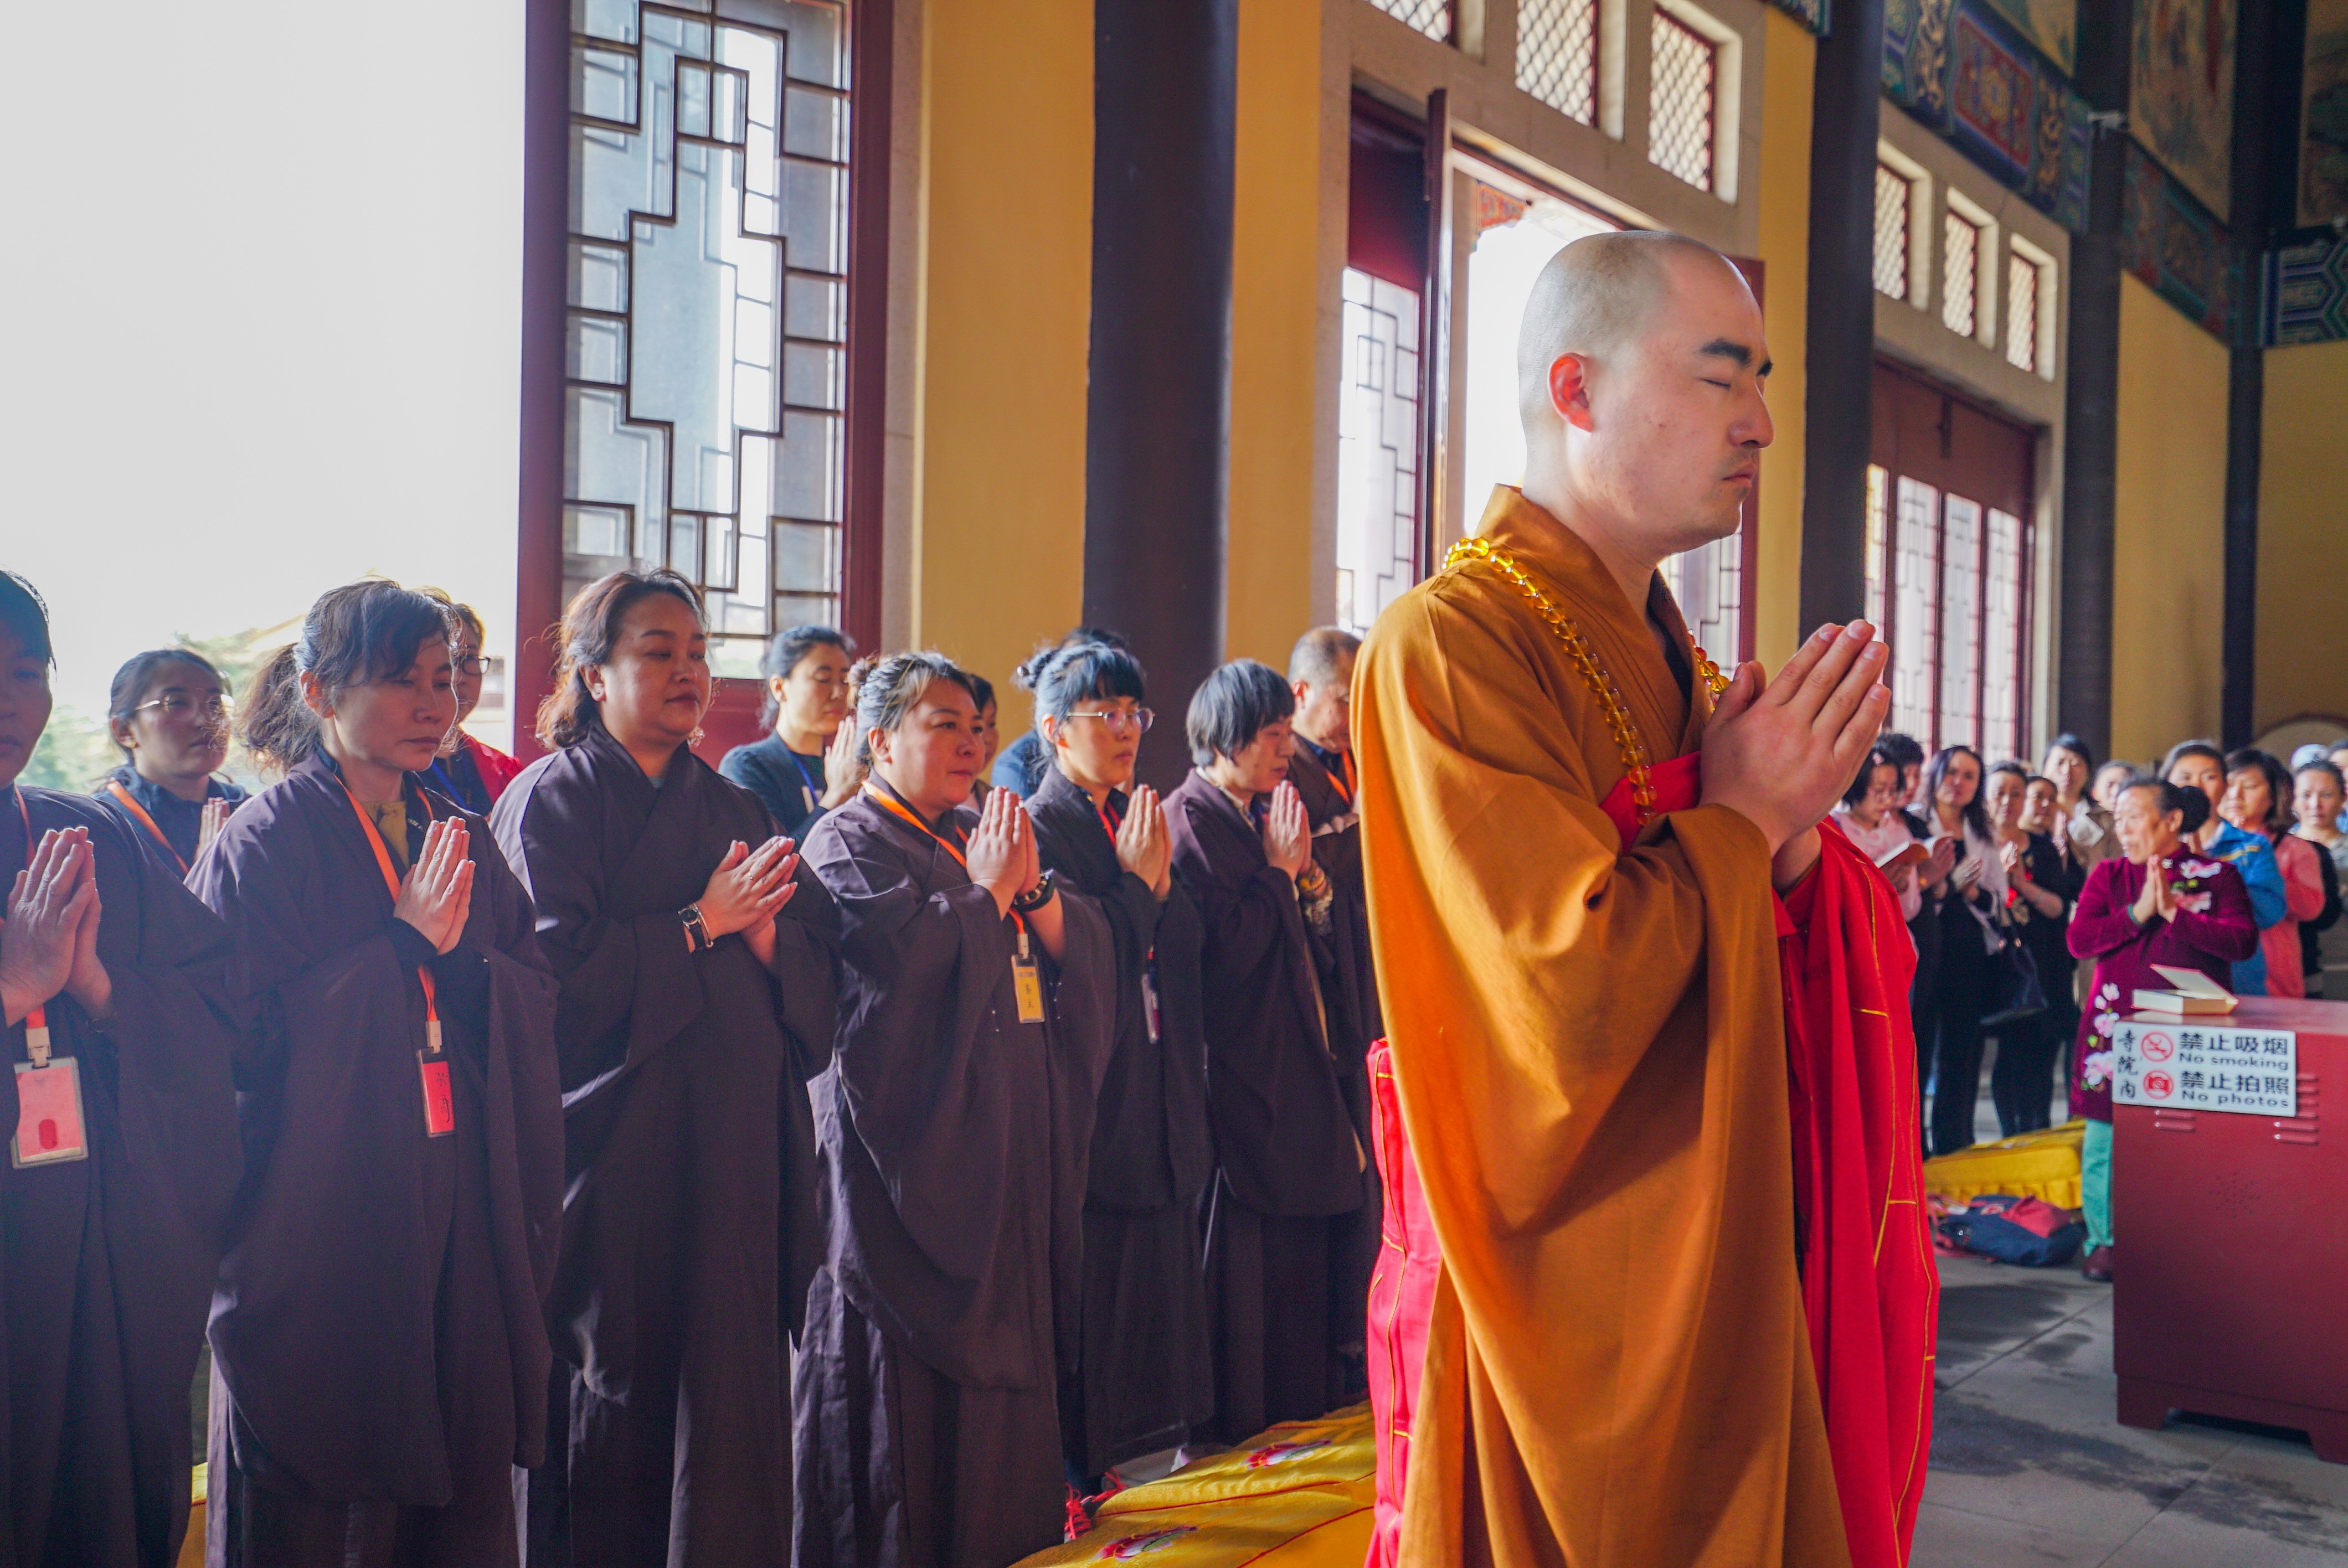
x=2027, y=1232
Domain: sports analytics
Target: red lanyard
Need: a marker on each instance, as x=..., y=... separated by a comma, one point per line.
x=37, y=1021
x=130, y=804
x=892, y=803
x=1109, y=821
x=391, y=885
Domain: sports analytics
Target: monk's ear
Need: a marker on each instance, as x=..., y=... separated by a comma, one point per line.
x=1568, y=390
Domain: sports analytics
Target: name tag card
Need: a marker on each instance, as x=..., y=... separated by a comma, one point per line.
x=2186, y=1066
x=440, y=1100
x=49, y=1114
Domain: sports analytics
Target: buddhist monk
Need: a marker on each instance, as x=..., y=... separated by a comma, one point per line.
x=1682, y=1311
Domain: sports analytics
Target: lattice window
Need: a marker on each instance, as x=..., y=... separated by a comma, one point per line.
x=1916, y=606
x=1959, y=274
x=1892, y=194
x=2021, y=313
x=1708, y=581
x=1679, y=126
x=704, y=418
x=1377, y=449
x=1961, y=620
x=1432, y=18
x=1879, y=528
x=1557, y=55
x=2001, y=638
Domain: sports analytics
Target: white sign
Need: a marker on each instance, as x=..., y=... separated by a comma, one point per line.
x=2191, y=1066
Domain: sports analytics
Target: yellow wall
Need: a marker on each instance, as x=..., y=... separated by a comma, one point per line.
x=1007, y=301
x=1276, y=309
x=1789, y=57
x=2302, y=515
x=2168, y=549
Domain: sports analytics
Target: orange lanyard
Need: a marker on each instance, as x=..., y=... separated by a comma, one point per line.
x=1344, y=780
x=37, y=1021
x=391, y=885
x=130, y=805
x=892, y=803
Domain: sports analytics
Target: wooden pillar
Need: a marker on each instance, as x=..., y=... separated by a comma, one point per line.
x=545, y=223
x=1846, y=94
x=2083, y=682
x=1158, y=414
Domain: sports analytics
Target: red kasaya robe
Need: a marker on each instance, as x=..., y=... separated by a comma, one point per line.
x=1870, y=1290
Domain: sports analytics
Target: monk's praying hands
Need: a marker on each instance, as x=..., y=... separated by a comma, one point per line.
x=1782, y=754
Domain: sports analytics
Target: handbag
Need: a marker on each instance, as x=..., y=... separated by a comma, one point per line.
x=2015, y=992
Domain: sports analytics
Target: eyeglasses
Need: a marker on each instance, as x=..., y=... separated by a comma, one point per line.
x=467, y=664
x=1136, y=723
x=178, y=705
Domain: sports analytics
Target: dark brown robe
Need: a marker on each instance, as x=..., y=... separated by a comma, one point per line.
x=106, y=1262
x=1290, y=1167
x=953, y=1142
x=378, y=1337
x=1146, y=1365
x=689, y=1229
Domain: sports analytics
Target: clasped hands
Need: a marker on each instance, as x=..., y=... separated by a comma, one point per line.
x=1781, y=751
x=49, y=945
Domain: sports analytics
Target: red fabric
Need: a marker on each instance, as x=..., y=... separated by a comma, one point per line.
x=497, y=770
x=1402, y=1298
x=1870, y=1286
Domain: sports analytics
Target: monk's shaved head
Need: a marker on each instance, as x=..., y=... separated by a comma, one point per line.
x=1593, y=297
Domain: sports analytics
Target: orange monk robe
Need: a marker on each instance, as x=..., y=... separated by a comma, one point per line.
x=1590, y=1052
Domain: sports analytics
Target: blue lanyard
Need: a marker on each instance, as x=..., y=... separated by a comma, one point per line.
x=814, y=789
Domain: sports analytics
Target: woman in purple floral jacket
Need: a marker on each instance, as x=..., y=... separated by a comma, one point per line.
x=2157, y=902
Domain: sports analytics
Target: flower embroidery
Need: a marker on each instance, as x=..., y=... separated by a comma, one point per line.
x=2196, y=869
x=2097, y=1071
x=2193, y=902
x=2106, y=1022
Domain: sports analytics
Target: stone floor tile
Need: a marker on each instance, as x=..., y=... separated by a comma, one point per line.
x=1950, y=1538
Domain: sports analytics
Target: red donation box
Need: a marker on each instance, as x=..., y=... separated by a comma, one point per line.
x=2230, y=1204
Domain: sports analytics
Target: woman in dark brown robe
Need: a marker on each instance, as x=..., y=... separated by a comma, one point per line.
x=1291, y=1169
x=696, y=999
x=1145, y=1375
x=975, y=1004
x=379, y=1350
x=114, y=981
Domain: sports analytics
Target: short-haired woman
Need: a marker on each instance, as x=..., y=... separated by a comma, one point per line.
x=379, y=1349
x=1870, y=816
x=696, y=1001
x=116, y=1105
x=805, y=764
x=2157, y=903
x=2258, y=802
x=2082, y=829
x=976, y=1001
x=469, y=771
x=2198, y=765
x=1290, y=1167
x=168, y=714
x=1145, y=1375
x=2318, y=797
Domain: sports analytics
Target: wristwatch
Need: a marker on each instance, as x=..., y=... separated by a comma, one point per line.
x=697, y=929
x=1046, y=887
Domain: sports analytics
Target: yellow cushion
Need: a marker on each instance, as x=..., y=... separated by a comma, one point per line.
x=1297, y=1496
x=2044, y=1165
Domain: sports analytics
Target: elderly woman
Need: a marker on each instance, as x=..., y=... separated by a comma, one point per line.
x=2157, y=903
x=1290, y=1160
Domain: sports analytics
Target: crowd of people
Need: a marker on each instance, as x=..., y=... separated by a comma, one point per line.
x=840, y=1154
x=2040, y=901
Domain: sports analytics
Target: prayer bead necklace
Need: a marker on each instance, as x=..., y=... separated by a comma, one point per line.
x=1627, y=743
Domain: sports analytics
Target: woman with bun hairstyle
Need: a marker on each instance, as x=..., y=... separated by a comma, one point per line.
x=115, y=1103
x=379, y=1348
x=2159, y=901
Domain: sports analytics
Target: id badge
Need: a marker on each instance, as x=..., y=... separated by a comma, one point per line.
x=50, y=1129
x=1029, y=984
x=439, y=1102
x=1149, y=999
